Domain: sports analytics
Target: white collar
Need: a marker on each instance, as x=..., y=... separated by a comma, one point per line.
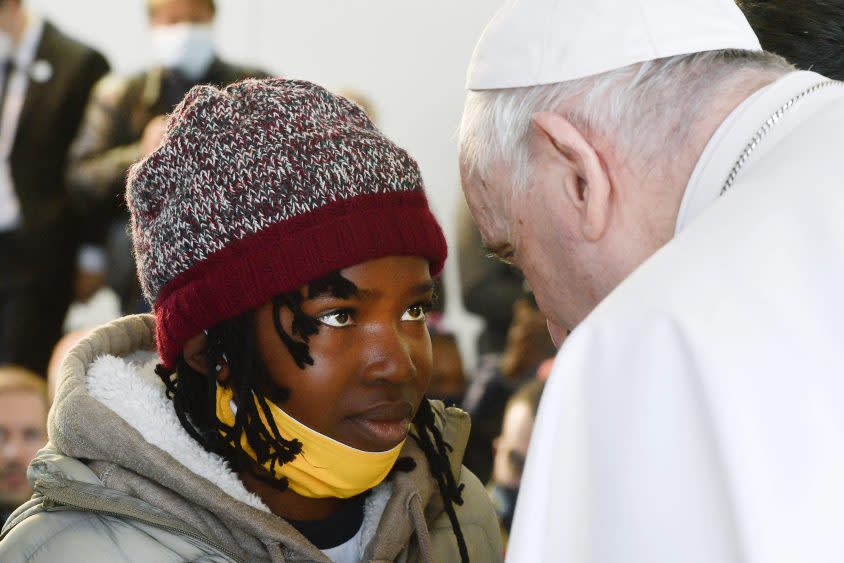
x=730, y=139
x=27, y=49
x=130, y=387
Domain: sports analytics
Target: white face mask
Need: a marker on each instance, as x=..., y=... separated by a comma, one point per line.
x=186, y=47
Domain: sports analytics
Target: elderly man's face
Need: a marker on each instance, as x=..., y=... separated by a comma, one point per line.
x=23, y=431
x=532, y=229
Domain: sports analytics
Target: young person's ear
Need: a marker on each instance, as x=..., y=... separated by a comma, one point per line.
x=196, y=357
x=587, y=189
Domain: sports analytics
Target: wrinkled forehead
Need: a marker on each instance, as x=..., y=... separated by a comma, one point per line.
x=23, y=407
x=490, y=201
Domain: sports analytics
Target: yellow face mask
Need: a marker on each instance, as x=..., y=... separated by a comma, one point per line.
x=325, y=467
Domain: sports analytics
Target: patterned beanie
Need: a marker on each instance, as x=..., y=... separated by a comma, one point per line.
x=261, y=188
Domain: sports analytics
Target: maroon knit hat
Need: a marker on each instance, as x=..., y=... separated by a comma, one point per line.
x=260, y=188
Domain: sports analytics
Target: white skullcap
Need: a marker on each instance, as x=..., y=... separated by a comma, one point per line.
x=532, y=42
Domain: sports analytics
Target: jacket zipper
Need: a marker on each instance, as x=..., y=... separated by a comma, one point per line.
x=50, y=504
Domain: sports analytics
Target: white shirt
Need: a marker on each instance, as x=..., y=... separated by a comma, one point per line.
x=348, y=552
x=696, y=415
x=10, y=213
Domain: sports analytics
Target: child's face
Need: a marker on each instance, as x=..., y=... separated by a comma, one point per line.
x=372, y=355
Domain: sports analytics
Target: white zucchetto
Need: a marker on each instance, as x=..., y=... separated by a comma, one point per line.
x=532, y=42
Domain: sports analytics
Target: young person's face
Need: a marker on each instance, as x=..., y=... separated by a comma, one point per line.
x=372, y=355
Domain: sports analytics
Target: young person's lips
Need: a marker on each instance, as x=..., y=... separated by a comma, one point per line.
x=385, y=425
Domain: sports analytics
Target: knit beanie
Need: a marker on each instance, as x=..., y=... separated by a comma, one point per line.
x=260, y=188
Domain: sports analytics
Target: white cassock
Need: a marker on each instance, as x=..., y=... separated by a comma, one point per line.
x=698, y=413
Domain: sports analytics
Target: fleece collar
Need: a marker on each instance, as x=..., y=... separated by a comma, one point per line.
x=131, y=389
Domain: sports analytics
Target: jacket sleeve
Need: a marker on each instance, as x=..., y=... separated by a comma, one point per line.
x=49, y=537
x=62, y=536
x=624, y=464
x=478, y=524
x=91, y=71
x=102, y=153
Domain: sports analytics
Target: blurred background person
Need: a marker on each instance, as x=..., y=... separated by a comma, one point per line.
x=510, y=450
x=125, y=122
x=55, y=375
x=45, y=81
x=23, y=431
x=448, y=378
x=808, y=33
x=528, y=346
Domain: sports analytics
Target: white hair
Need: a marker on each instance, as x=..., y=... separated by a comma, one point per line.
x=645, y=107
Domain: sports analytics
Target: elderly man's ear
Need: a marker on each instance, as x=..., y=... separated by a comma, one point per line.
x=586, y=184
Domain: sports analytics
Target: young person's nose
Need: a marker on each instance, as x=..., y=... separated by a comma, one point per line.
x=389, y=356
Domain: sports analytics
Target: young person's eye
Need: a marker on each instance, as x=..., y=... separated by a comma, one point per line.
x=416, y=312
x=337, y=319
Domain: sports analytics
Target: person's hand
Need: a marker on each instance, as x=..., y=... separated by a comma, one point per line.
x=153, y=135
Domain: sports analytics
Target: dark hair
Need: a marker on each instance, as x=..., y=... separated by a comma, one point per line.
x=809, y=33
x=152, y=4
x=234, y=341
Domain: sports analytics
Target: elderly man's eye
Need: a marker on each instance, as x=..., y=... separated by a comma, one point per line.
x=337, y=319
x=503, y=253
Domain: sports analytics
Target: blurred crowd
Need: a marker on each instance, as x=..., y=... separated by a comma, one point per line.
x=69, y=130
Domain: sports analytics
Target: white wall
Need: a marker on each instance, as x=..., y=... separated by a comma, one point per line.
x=409, y=57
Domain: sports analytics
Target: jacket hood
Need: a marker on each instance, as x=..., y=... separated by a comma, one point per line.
x=111, y=410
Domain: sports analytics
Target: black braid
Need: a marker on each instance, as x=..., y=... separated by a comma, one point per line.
x=303, y=325
x=436, y=452
x=194, y=397
x=183, y=390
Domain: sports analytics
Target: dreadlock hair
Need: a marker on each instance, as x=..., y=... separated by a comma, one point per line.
x=234, y=341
